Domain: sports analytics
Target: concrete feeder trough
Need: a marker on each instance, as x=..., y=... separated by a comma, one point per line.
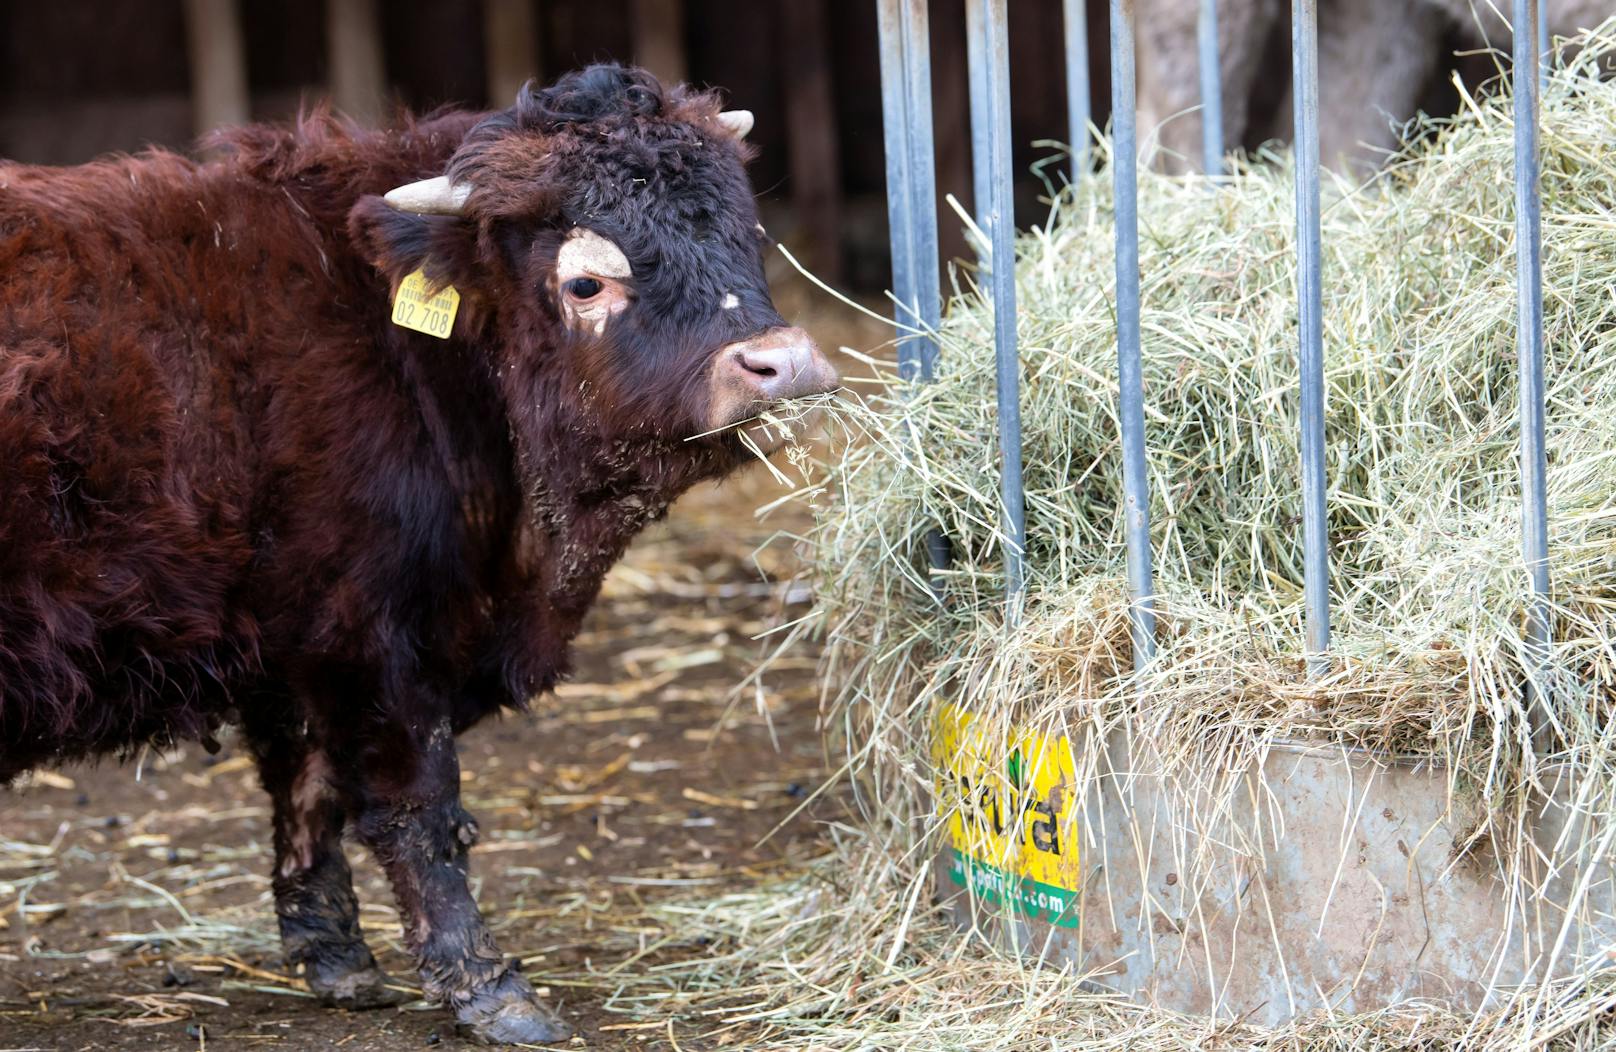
x=1325, y=878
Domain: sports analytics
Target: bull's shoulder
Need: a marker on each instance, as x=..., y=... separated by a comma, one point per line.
x=105, y=194
x=99, y=242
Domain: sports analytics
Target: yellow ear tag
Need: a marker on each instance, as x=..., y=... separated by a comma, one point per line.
x=416, y=307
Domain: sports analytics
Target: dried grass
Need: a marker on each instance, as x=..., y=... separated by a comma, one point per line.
x=851, y=952
x=1429, y=586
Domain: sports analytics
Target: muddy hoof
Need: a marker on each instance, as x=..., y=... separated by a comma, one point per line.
x=357, y=990
x=510, y=1014
x=519, y=1023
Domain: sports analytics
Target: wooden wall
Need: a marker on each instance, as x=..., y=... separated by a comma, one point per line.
x=82, y=77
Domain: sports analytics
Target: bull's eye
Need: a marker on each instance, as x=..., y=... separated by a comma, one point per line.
x=583, y=288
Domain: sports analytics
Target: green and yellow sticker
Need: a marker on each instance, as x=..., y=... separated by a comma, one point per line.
x=1012, y=817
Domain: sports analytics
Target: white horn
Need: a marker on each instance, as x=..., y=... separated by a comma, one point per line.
x=433, y=197
x=739, y=122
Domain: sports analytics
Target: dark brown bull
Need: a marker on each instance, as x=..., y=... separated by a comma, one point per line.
x=231, y=491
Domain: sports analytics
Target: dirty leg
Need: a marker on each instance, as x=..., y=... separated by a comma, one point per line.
x=421, y=836
x=314, y=897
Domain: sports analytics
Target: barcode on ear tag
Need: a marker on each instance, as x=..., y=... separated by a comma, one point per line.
x=416, y=306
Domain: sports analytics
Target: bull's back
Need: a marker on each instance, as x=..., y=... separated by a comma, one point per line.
x=125, y=500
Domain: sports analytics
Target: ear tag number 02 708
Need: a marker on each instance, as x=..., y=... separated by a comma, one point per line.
x=416, y=306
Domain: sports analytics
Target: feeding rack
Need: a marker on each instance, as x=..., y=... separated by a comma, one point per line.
x=1349, y=880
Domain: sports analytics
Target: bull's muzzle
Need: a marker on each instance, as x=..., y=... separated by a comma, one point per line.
x=776, y=366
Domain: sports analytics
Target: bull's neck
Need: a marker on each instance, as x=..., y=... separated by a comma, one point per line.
x=326, y=179
x=588, y=482
x=589, y=499
x=571, y=531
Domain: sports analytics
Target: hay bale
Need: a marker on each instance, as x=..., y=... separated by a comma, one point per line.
x=1428, y=583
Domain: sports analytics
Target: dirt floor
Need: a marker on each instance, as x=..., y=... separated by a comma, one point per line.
x=134, y=900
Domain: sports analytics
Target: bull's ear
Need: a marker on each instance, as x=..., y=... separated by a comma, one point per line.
x=399, y=243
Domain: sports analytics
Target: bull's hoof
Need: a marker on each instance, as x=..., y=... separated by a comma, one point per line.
x=356, y=991
x=519, y=1023
x=510, y=1014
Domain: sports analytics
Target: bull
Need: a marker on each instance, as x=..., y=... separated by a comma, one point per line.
x=1375, y=59
x=235, y=492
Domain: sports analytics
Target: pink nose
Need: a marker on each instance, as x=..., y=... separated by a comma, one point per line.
x=780, y=365
x=776, y=366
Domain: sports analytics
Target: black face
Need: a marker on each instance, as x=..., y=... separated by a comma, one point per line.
x=611, y=232
x=653, y=272
x=650, y=257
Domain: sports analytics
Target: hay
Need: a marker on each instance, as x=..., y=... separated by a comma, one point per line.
x=1429, y=588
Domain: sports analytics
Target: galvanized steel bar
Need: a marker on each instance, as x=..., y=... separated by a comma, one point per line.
x=1315, y=538
x=1542, y=21
x=922, y=177
x=993, y=55
x=912, y=202
x=894, y=122
x=976, y=71
x=1131, y=397
x=911, y=177
x=1529, y=352
x=1076, y=21
x=1206, y=39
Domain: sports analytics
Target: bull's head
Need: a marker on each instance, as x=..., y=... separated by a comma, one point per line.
x=605, y=235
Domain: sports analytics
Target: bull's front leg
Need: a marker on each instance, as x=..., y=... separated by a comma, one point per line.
x=413, y=821
x=314, y=896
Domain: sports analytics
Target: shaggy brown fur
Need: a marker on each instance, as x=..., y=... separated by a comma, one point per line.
x=234, y=492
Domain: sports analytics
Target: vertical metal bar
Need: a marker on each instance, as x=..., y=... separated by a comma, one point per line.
x=218, y=61
x=511, y=48
x=922, y=180
x=1315, y=539
x=1136, y=485
x=1529, y=351
x=657, y=37
x=356, y=59
x=900, y=203
x=912, y=200
x=923, y=196
x=911, y=178
x=1206, y=38
x=1075, y=16
x=993, y=56
x=976, y=66
x=1542, y=21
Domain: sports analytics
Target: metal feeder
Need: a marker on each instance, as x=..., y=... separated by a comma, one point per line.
x=1336, y=879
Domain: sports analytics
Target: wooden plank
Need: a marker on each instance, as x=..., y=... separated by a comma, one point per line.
x=659, y=38
x=814, y=157
x=357, y=76
x=218, y=62
x=511, y=32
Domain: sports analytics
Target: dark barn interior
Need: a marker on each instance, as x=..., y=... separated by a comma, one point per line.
x=82, y=78
x=88, y=76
